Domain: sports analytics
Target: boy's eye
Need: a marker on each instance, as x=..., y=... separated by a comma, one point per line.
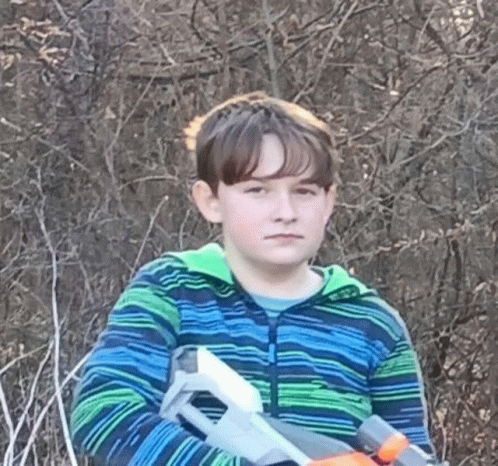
x=255, y=190
x=307, y=191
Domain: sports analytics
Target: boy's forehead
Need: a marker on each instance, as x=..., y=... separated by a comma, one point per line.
x=271, y=157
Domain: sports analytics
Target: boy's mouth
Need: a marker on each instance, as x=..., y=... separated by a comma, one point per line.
x=284, y=236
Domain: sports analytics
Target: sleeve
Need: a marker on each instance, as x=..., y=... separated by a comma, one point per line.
x=397, y=389
x=114, y=417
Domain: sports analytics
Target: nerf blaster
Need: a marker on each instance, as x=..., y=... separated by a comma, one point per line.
x=244, y=430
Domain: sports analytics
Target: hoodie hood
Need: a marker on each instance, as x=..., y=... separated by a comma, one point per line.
x=210, y=260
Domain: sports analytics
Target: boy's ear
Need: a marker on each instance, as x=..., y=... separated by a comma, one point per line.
x=206, y=201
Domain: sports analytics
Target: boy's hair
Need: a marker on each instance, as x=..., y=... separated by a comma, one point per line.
x=227, y=140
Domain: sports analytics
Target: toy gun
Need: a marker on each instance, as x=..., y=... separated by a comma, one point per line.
x=244, y=430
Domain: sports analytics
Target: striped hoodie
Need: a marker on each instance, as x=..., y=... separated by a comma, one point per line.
x=326, y=363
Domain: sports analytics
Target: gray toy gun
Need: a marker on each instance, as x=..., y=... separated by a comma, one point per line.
x=245, y=431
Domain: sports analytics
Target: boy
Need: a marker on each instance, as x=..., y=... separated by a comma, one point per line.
x=322, y=349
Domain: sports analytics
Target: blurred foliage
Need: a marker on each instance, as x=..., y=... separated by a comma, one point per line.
x=93, y=97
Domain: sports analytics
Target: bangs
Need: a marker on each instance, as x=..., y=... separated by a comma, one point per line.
x=239, y=150
x=235, y=137
x=301, y=153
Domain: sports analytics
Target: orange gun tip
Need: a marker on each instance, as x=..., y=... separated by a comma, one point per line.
x=349, y=459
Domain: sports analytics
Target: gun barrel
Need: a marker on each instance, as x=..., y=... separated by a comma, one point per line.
x=243, y=429
x=390, y=445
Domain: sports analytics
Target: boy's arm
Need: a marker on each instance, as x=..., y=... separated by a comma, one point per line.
x=115, y=416
x=397, y=390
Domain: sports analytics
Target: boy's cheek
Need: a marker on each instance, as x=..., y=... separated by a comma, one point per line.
x=244, y=229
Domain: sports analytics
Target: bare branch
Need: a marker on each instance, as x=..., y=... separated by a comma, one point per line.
x=44, y=411
x=6, y=415
x=318, y=74
x=271, y=53
x=55, y=317
x=147, y=233
x=61, y=11
x=9, y=454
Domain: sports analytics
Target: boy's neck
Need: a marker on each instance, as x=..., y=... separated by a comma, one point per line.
x=279, y=282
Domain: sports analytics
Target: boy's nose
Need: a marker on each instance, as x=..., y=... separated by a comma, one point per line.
x=285, y=210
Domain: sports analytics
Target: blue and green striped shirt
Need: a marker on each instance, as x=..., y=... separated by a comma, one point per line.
x=325, y=363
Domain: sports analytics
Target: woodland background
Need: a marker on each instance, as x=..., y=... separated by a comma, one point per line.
x=94, y=179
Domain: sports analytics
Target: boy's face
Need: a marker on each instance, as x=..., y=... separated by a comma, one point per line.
x=274, y=223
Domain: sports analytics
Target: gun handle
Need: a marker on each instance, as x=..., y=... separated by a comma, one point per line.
x=349, y=459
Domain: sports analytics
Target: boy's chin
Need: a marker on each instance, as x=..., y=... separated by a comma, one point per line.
x=277, y=259
x=285, y=261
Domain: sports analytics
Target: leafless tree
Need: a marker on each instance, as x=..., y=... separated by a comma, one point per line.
x=94, y=179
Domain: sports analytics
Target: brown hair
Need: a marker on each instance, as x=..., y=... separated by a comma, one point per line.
x=227, y=140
